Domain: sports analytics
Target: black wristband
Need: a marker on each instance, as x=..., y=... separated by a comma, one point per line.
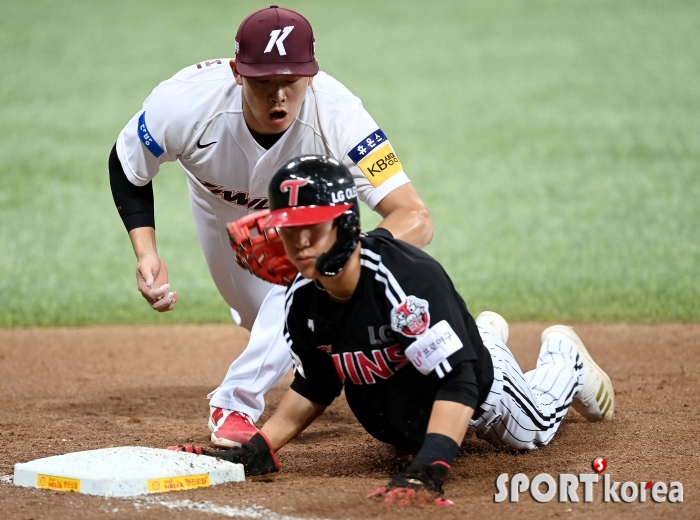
x=437, y=448
x=380, y=232
x=422, y=476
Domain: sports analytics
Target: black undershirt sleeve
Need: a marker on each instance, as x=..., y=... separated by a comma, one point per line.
x=312, y=393
x=460, y=386
x=134, y=203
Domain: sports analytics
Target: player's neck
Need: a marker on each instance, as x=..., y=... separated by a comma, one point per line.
x=267, y=141
x=342, y=286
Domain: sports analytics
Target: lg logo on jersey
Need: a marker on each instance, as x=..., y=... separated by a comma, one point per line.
x=569, y=483
x=276, y=39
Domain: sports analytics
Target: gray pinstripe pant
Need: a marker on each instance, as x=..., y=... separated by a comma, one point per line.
x=524, y=411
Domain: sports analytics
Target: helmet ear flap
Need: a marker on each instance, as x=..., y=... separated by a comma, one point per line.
x=348, y=225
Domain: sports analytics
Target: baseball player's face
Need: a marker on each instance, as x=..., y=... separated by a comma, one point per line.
x=304, y=244
x=271, y=104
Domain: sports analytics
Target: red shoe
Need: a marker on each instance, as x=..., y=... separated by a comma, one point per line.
x=230, y=429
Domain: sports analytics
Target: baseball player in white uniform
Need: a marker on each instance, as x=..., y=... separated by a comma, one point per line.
x=231, y=124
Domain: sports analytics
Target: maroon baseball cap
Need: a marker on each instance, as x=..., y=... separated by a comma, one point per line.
x=275, y=42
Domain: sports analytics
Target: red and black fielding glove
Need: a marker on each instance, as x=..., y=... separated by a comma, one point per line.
x=260, y=249
x=256, y=455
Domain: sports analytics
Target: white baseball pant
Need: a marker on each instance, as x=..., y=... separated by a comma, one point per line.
x=524, y=411
x=262, y=364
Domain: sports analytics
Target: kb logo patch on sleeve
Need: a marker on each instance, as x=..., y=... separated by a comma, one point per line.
x=376, y=158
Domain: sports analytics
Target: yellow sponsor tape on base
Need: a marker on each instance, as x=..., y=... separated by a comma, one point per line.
x=58, y=483
x=163, y=485
x=381, y=164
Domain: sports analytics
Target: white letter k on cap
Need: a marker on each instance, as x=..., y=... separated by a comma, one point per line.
x=276, y=39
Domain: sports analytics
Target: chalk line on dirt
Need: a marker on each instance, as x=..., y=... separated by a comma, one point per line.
x=209, y=507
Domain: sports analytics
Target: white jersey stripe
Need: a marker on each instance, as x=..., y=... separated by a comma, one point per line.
x=289, y=291
x=439, y=371
x=377, y=265
x=389, y=295
x=371, y=254
x=299, y=282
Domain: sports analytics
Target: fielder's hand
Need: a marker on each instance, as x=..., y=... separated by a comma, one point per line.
x=152, y=280
x=256, y=455
x=420, y=484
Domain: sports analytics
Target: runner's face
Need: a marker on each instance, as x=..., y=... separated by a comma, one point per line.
x=270, y=105
x=304, y=244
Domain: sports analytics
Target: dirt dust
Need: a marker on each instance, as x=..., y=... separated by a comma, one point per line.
x=72, y=389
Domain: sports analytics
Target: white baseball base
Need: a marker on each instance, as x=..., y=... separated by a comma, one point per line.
x=126, y=471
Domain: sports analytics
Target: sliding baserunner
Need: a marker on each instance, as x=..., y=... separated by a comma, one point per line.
x=382, y=319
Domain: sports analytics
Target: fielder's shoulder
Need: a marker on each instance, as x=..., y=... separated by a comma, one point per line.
x=193, y=89
x=217, y=69
x=326, y=85
x=161, y=130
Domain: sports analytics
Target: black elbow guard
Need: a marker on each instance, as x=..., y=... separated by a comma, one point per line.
x=134, y=203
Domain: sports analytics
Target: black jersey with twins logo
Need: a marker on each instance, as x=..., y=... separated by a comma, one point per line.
x=403, y=295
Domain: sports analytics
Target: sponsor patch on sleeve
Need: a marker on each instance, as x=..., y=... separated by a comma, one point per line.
x=430, y=351
x=375, y=157
x=147, y=138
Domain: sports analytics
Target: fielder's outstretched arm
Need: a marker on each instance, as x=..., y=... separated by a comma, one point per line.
x=406, y=216
x=293, y=415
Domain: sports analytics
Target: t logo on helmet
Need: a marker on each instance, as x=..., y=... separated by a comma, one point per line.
x=292, y=186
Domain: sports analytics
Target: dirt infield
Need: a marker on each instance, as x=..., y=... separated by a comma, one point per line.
x=66, y=390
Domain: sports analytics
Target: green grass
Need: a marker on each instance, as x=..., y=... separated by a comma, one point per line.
x=557, y=146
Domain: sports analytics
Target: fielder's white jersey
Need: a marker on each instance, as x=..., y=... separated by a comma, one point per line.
x=196, y=118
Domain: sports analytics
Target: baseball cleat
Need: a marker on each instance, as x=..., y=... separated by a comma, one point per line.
x=596, y=399
x=496, y=322
x=230, y=429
